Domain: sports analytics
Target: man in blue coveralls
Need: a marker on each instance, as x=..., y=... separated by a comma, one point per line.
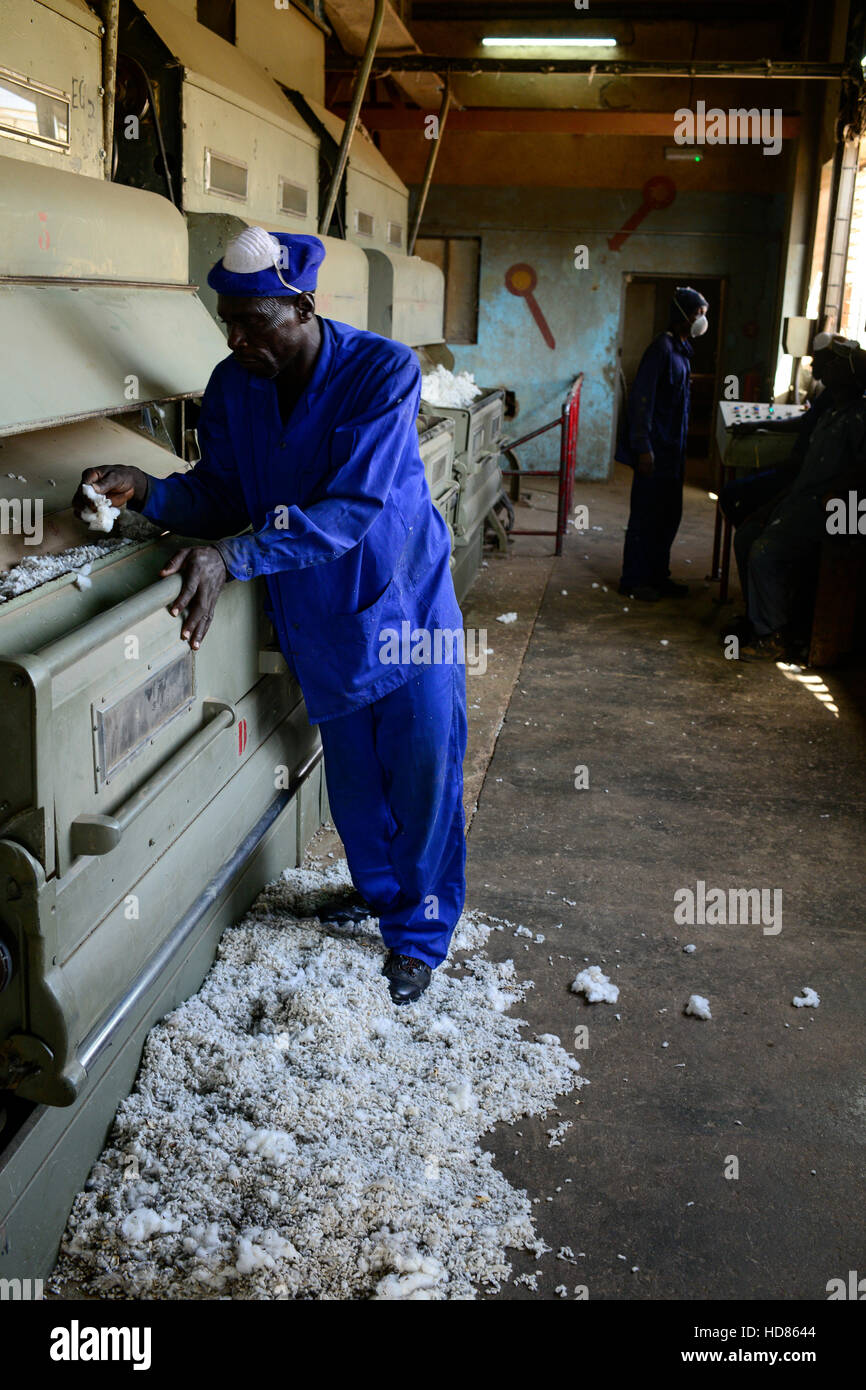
x=653, y=443
x=308, y=437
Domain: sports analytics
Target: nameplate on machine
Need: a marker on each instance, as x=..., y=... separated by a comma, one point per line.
x=125, y=727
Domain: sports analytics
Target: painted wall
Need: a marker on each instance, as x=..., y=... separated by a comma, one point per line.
x=699, y=233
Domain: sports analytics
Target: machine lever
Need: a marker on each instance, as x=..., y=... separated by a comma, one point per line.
x=99, y=834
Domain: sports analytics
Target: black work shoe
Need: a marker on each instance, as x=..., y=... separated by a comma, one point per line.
x=668, y=588
x=644, y=592
x=350, y=909
x=407, y=977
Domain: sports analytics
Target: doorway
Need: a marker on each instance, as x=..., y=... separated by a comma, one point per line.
x=645, y=314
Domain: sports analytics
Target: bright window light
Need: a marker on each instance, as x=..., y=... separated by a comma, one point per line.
x=548, y=43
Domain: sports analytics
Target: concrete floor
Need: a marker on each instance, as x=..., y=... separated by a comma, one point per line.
x=699, y=769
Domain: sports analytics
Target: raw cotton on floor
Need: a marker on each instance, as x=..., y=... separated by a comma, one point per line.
x=293, y=1135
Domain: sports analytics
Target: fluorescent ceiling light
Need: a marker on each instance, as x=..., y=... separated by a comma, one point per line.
x=684, y=152
x=548, y=43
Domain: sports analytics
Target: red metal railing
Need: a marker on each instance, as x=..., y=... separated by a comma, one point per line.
x=568, y=422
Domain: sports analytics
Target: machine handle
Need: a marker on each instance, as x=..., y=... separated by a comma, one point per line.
x=99, y=834
x=446, y=494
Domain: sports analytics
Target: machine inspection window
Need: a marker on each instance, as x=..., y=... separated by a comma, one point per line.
x=293, y=198
x=459, y=259
x=225, y=176
x=33, y=112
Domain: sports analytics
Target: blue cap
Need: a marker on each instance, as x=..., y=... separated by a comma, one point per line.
x=267, y=265
x=688, y=300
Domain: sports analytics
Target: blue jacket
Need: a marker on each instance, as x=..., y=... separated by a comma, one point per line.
x=657, y=419
x=343, y=525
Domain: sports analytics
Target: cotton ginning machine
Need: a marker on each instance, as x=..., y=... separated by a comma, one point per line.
x=476, y=470
x=147, y=791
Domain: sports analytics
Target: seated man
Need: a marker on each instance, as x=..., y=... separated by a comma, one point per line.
x=743, y=497
x=772, y=548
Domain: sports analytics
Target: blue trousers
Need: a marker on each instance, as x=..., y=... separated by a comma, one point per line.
x=654, y=519
x=395, y=783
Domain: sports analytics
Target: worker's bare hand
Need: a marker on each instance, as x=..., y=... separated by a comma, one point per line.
x=119, y=485
x=204, y=574
x=645, y=464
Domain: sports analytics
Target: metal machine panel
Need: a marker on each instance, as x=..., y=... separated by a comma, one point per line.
x=74, y=915
x=479, y=490
x=342, y=286
x=377, y=200
x=57, y=224
x=754, y=450
x=436, y=445
x=270, y=148
x=224, y=68
x=467, y=563
x=47, y=1160
x=56, y=45
x=477, y=427
x=407, y=298
x=100, y=348
x=285, y=42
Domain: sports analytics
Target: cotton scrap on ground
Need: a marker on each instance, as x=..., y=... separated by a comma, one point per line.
x=292, y=1135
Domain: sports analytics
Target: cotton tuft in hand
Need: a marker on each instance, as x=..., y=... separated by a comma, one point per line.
x=102, y=515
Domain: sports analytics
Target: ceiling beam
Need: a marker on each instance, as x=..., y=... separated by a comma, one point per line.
x=729, y=12
x=533, y=120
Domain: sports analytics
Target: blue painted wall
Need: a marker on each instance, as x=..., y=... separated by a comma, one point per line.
x=701, y=233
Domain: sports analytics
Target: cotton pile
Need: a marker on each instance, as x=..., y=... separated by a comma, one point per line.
x=441, y=387
x=292, y=1135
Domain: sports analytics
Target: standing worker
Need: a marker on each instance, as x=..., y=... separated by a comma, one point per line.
x=653, y=443
x=307, y=435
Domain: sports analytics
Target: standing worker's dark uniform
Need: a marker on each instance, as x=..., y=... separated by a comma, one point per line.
x=657, y=423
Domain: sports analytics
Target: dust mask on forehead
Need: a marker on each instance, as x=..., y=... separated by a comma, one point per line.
x=252, y=250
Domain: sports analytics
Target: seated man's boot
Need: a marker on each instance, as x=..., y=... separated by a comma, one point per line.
x=407, y=977
x=773, y=647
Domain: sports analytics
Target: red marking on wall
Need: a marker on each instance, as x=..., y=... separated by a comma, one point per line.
x=521, y=280
x=242, y=736
x=44, y=236
x=658, y=192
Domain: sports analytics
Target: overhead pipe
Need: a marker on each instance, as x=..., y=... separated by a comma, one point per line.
x=432, y=157
x=352, y=118
x=111, y=16
x=760, y=68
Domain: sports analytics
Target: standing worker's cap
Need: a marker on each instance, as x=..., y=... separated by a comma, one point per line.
x=259, y=265
x=688, y=300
